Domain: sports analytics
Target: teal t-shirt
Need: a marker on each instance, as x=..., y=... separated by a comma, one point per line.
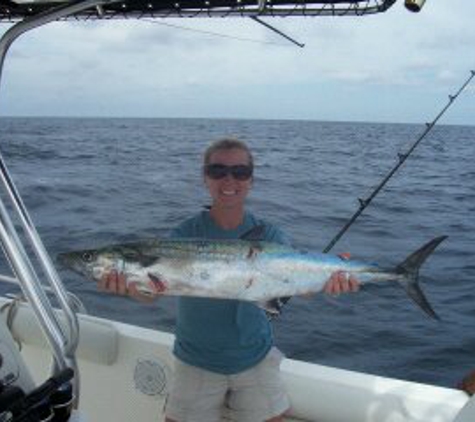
x=221, y=335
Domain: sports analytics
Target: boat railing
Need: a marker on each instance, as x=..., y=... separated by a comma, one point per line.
x=74, y=301
x=201, y=8
x=62, y=341
x=21, y=243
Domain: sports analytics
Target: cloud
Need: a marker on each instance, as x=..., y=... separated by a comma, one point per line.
x=180, y=64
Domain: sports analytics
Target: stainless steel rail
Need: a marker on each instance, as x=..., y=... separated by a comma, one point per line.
x=209, y=8
x=73, y=300
x=63, y=342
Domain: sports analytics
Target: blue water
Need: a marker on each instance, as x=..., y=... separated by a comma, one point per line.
x=89, y=182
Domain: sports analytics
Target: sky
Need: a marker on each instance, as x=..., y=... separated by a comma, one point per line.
x=396, y=66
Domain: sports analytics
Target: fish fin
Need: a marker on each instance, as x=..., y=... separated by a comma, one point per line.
x=410, y=269
x=256, y=233
x=159, y=285
x=273, y=307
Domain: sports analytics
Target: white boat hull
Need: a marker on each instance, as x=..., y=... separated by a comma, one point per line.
x=126, y=372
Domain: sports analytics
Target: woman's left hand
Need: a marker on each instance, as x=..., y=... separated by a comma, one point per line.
x=341, y=281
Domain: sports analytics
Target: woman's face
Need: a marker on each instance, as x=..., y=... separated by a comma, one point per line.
x=228, y=191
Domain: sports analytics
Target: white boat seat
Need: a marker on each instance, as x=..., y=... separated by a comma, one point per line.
x=98, y=339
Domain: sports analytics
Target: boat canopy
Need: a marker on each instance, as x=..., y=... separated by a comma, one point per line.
x=11, y=11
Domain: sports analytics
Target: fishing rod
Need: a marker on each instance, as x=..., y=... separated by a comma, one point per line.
x=402, y=157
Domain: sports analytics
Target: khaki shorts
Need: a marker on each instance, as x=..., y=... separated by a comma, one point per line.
x=254, y=395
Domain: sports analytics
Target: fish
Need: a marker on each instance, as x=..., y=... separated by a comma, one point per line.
x=247, y=268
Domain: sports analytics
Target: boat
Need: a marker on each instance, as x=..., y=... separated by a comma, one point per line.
x=57, y=363
x=125, y=373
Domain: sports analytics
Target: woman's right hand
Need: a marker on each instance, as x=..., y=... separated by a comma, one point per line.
x=116, y=283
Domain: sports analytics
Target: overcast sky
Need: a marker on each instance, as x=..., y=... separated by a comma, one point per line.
x=392, y=67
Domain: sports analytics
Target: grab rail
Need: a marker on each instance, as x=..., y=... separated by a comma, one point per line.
x=73, y=300
x=63, y=344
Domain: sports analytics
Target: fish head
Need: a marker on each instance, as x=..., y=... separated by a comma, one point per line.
x=92, y=263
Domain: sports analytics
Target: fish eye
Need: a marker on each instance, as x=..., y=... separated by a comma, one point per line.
x=88, y=256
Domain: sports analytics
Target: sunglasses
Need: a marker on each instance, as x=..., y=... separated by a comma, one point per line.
x=239, y=172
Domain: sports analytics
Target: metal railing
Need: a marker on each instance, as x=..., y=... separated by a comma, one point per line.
x=201, y=8
x=63, y=340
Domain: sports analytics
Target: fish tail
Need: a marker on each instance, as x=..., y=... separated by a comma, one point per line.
x=410, y=269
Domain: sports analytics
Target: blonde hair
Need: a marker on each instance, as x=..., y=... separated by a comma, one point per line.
x=227, y=144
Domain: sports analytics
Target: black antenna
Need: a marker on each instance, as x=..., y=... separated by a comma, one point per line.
x=402, y=157
x=277, y=31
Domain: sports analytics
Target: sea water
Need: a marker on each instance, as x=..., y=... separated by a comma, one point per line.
x=90, y=182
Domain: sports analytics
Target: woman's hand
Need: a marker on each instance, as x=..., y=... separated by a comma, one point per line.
x=116, y=283
x=341, y=281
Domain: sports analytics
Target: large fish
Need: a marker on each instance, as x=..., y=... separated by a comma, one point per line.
x=245, y=269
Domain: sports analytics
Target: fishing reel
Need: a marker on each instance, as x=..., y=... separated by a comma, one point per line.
x=50, y=402
x=20, y=400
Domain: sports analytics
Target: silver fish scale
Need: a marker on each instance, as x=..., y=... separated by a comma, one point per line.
x=212, y=249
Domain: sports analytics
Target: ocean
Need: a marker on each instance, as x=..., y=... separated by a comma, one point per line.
x=89, y=182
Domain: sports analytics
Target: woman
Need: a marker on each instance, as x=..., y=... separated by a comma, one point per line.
x=224, y=348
